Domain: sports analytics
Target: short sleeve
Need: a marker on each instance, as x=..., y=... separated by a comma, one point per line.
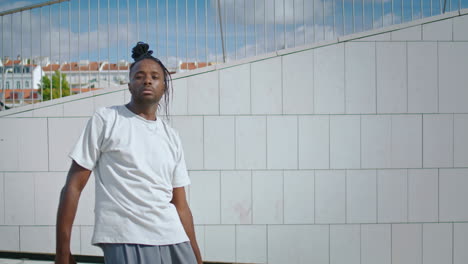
x=180, y=176
x=86, y=151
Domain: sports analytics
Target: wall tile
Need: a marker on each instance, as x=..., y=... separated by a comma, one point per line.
x=266, y=86
x=178, y=99
x=345, y=131
x=453, y=184
x=19, y=198
x=460, y=243
x=41, y=239
x=63, y=135
x=453, y=60
x=360, y=77
x=219, y=142
x=47, y=187
x=200, y=235
x=392, y=196
x=109, y=99
x=220, y=243
x=345, y=241
x=86, y=234
x=9, y=238
x=406, y=141
x=251, y=244
x=330, y=200
x=376, y=242
x=314, y=142
x=407, y=243
x=190, y=130
x=422, y=77
x=2, y=198
x=267, y=197
x=82, y=107
x=378, y=37
x=438, y=30
x=376, y=141
x=283, y=241
x=299, y=197
x=361, y=196
x=51, y=111
x=423, y=195
x=437, y=243
x=205, y=205
x=251, y=142
x=9, y=160
x=282, y=142
x=329, y=80
x=298, y=81
x=460, y=140
x=236, y=197
x=407, y=34
x=460, y=24
x=391, y=77
x=437, y=141
x=235, y=90
x=203, y=88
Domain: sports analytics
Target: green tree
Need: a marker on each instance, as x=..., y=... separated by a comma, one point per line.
x=57, y=90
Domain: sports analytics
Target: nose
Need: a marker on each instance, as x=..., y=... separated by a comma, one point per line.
x=148, y=80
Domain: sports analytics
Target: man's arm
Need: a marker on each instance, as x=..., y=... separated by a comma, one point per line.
x=69, y=196
x=180, y=202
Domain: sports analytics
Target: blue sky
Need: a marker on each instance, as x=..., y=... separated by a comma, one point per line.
x=248, y=29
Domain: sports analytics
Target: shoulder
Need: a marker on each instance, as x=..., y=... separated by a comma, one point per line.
x=171, y=132
x=108, y=113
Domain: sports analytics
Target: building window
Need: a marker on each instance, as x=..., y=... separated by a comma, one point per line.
x=18, y=85
x=7, y=85
x=26, y=84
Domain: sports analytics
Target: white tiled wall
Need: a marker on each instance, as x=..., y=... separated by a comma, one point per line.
x=353, y=152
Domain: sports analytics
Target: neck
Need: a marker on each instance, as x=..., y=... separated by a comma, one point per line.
x=146, y=111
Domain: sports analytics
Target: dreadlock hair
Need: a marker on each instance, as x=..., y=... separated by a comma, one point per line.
x=140, y=52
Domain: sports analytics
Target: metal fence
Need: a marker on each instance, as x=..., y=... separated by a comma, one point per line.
x=81, y=45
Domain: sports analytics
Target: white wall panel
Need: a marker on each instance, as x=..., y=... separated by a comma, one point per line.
x=203, y=88
x=407, y=34
x=9, y=238
x=251, y=244
x=376, y=244
x=200, y=236
x=282, y=142
x=345, y=142
x=329, y=91
x=298, y=83
x=19, y=198
x=460, y=243
x=392, y=198
x=453, y=184
x=50, y=111
x=345, y=244
x=460, y=140
x=299, y=197
x=41, y=239
x=178, y=98
x=251, y=142
x=190, y=130
x=2, y=198
x=284, y=241
x=361, y=196
x=453, y=60
x=407, y=243
x=406, y=141
x=86, y=233
x=62, y=137
x=460, y=24
x=438, y=30
x=437, y=243
x=391, y=77
x=360, y=77
x=205, y=205
x=236, y=197
x=423, y=195
x=82, y=107
x=234, y=90
x=267, y=197
x=47, y=187
x=109, y=99
x=220, y=243
x=219, y=142
x=314, y=142
x=266, y=86
x=437, y=141
x=422, y=77
x=330, y=200
x=376, y=141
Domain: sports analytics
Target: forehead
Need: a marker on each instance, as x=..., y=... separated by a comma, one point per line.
x=147, y=65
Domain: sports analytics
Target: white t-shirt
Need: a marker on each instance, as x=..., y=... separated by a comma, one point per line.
x=136, y=163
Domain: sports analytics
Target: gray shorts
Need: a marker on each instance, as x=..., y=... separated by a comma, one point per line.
x=146, y=254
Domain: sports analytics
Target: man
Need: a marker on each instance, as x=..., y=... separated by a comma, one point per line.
x=141, y=212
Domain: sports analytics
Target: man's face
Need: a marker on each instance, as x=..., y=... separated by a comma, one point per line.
x=146, y=82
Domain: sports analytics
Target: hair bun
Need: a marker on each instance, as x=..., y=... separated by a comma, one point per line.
x=141, y=50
